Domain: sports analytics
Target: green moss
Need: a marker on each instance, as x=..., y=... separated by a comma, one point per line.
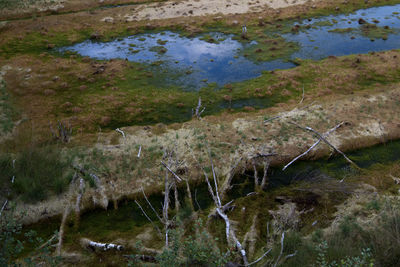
x=342, y=30
x=35, y=43
x=268, y=49
x=158, y=49
x=371, y=31
x=323, y=23
x=161, y=42
x=209, y=38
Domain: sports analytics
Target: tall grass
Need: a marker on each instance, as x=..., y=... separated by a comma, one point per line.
x=7, y=111
x=39, y=172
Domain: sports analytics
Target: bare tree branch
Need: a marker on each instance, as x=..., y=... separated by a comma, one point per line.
x=171, y=171
x=148, y=218
x=197, y=111
x=61, y=231
x=327, y=142
x=326, y=134
x=4, y=206
x=280, y=254
x=151, y=206
x=121, y=132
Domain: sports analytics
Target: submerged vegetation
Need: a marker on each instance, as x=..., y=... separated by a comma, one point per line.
x=371, y=31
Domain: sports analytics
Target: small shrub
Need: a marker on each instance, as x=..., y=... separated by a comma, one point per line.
x=358, y=261
x=12, y=244
x=373, y=205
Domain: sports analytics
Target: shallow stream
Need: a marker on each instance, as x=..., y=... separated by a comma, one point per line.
x=127, y=221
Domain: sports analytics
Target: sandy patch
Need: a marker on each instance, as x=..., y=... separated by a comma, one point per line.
x=189, y=8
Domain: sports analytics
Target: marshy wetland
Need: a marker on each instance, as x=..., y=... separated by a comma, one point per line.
x=158, y=133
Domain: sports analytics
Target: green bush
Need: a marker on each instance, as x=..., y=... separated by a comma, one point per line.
x=364, y=260
x=12, y=244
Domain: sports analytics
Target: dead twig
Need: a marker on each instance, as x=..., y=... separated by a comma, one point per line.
x=121, y=132
x=151, y=206
x=4, y=206
x=314, y=145
x=327, y=142
x=148, y=218
x=171, y=171
x=197, y=113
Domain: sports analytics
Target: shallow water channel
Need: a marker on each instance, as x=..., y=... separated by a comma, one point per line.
x=127, y=221
x=200, y=62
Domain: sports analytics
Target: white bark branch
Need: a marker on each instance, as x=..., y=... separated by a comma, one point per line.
x=322, y=138
x=171, y=171
x=280, y=254
x=121, y=132
x=229, y=232
x=166, y=207
x=260, y=258
x=151, y=206
x=4, y=206
x=97, y=245
x=148, y=218
x=79, y=196
x=61, y=231
x=332, y=146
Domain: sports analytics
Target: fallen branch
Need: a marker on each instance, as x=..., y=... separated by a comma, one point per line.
x=140, y=150
x=121, y=132
x=61, y=231
x=327, y=142
x=96, y=245
x=4, y=206
x=148, y=218
x=151, y=206
x=314, y=145
x=171, y=171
